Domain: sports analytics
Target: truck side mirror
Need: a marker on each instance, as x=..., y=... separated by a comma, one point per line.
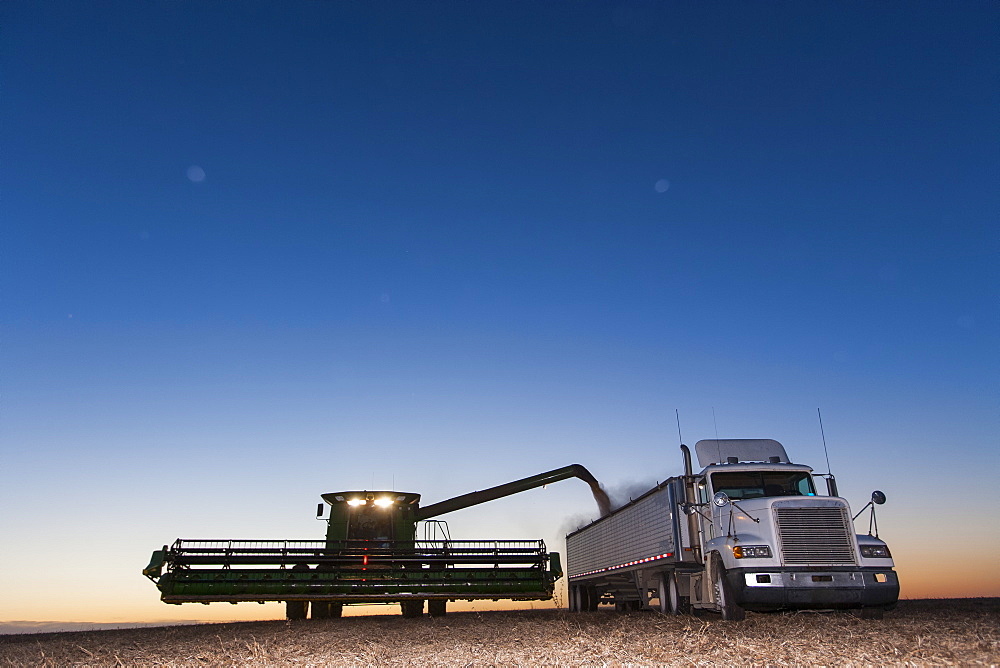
x=721, y=499
x=878, y=497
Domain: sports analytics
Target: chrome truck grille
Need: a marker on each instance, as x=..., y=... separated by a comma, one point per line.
x=820, y=536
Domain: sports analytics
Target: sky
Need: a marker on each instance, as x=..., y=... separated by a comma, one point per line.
x=256, y=252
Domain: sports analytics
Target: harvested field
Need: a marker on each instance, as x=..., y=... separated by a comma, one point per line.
x=963, y=632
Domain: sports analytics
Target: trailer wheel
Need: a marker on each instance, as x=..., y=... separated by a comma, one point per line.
x=437, y=608
x=581, y=599
x=593, y=599
x=574, y=598
x=730, y=609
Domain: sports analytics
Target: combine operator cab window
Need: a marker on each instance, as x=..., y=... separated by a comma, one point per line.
x=370, y=523
x=755, y=484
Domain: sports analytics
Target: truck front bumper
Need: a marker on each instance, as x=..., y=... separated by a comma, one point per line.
x=812, y=588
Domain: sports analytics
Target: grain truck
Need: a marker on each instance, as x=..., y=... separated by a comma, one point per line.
x=749, y=532
x=373, y=552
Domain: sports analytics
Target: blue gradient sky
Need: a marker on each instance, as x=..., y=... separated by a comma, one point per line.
x=255, y=252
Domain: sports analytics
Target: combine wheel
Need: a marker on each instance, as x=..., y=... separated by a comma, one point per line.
x=412, y=609
x=437, y=608
x=296, y=609
x=326, y=609
x=730, y=609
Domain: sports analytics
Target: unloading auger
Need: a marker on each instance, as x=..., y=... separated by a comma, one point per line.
x=371, y=554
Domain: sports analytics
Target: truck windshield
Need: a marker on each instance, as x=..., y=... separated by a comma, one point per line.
x=754, y=484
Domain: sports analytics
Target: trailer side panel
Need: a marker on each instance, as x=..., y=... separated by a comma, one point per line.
x=638, y=533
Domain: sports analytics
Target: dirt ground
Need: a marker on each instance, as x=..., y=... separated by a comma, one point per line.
x=954, y=632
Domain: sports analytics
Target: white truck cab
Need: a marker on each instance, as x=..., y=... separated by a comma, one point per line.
x=770, y=541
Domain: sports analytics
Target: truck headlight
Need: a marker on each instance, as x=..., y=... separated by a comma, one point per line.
x=875, y=552
x=752, y=552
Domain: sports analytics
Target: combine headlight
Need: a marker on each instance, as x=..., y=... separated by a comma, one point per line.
x=355, y=502
x=752, y=552
x=875, y=552
x=384, y=502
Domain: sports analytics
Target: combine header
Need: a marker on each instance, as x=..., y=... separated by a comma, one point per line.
x=371, y=554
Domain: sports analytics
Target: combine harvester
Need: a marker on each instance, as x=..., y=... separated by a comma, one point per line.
x=749, y=532
x=371, y=554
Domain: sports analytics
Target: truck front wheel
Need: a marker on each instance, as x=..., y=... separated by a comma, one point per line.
x=730, y=609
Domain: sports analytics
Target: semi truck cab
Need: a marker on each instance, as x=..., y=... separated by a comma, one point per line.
x=771, y=542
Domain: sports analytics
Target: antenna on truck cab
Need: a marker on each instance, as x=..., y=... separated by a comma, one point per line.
x=831, y=481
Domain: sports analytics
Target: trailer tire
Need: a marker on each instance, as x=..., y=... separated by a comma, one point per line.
x=582, y=598
x=730, y=609
x=437, y=608
x=574, y=598
x=593, y=599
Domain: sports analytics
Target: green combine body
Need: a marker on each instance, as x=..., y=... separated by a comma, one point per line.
x=371, y=554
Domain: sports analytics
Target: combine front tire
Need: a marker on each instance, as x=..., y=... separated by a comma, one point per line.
x=412, y=609
x=296, y=609
x=326, y=610
x=437, y=608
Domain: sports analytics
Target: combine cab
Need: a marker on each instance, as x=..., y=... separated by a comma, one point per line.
x=371, y=554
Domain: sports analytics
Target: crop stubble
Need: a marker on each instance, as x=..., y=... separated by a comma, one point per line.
x=929, y=632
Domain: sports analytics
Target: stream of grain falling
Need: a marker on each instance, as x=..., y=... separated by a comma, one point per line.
x=603, y=502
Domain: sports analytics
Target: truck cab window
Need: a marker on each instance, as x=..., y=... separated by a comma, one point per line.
x=757, y=484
